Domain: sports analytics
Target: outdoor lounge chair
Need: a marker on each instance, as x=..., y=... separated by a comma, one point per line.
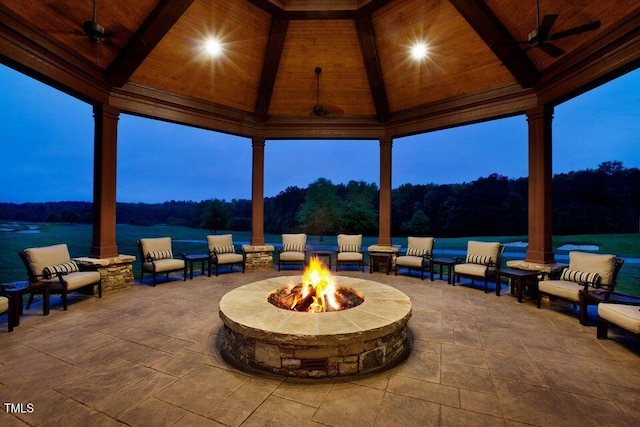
x=624, y=314
x=156, y=257
x=293, y=251
x=418, y=255
x=349, y=250
x=5, y=307
x=222, y=252
x=482, y=261
x=53, y=264
x=586, y=272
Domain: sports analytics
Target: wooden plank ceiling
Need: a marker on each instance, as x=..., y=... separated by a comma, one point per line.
x=272, y=47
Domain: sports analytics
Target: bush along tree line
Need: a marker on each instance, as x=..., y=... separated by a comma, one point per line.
x=602, y=200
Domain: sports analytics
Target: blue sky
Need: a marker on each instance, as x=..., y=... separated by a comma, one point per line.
x=47, y=149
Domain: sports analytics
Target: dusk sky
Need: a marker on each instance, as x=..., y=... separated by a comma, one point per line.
x=47, y=149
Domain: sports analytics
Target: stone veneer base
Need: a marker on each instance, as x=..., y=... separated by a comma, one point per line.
x=116, y=273
x=363, y=339
x=258, y=258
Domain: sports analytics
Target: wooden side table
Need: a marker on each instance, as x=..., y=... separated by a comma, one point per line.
x=16, y=290
x=202, y=258
x=517, y=279
x=443, y=262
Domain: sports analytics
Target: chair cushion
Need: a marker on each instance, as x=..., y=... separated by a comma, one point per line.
x=230, y=258
x=350, y=248
x=410, y=261
x=419, y=246
x=158, y=255
x=78, y=279
x=478, y=259
x=470, y=269
x=4, y=304
x=623, y=315
x=561, y=288
x=39, y=258
x=65, y=268
x=163, y=265
x=483, y=249
x=294, y=239
x=227, y=249
x=579, y=276
x=350, y=256
x=217, y=240
x=603, y=264
x=349, y=239
x=156, y=244
x=292, y=256
x=293, y=248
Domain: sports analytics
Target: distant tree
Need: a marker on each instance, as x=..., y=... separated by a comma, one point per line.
x=70, y=217
x=418, y=225
x=215, y=216
x=53, y=217
x=358, y=213
x=320, y=211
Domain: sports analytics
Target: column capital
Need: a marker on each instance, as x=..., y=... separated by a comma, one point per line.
x=107, y=111
x=386, y=141
x=257, y=142
x=540, y=112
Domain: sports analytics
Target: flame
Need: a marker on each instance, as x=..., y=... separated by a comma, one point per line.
x=318, y=281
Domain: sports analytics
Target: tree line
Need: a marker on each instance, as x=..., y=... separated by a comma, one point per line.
x=591, y=201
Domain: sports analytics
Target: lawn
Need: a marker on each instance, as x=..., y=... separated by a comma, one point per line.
x=191, y=241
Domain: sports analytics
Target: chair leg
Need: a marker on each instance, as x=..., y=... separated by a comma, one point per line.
x=100, y=289
x=154, y=279
x=185, y=272
x=603, y=327
x=30, y=300
x=64, y=300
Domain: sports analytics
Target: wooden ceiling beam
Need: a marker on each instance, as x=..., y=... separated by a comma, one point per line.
x=152, y=30
x=487, y=25
x=364, y=28
x=270, y=67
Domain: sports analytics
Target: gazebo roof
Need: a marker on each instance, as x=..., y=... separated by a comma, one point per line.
x=151, y=61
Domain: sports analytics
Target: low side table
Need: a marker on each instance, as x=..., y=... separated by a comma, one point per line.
x=443, y=262
x=202, y=258
x=517, y=278
x=324, y=254
x=376, y=259
x=16, y=290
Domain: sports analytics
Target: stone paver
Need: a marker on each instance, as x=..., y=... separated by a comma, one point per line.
x=150, y=356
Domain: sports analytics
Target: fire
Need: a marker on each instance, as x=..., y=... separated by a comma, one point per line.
x=317, y=283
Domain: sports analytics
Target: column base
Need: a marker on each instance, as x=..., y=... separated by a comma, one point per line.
x=258, y=258
x=116, y=272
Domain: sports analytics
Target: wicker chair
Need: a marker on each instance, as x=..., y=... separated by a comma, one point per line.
x=482, y=261
x=156, y=257
x=293, y=251
x=349, y=250
x=586, y=272
x=53, y=264
x=418, y=255
x=223, y=252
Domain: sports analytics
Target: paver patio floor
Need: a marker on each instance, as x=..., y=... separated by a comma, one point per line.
x=149, y=356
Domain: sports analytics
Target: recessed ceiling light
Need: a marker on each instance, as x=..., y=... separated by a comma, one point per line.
x=213, y=47
x=419, y=51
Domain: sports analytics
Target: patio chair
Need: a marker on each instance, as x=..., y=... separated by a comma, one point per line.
x=624, y=314
x=156, y=256
x=418, y=255
x=5, y=307
x=222, y=252
x=293, y=251
x=350, y=250
x=482, y=261
x=53, y=264
x=586, y=272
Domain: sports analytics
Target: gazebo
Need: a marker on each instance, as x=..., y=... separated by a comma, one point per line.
x=339, y=69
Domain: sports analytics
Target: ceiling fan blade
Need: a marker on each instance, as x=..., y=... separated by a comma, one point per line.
x=545, y=26
x=551, y=50
x=576, y=30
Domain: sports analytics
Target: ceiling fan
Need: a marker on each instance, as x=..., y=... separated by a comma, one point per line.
x=541, y=36
x=319, y=109
x=92, y=29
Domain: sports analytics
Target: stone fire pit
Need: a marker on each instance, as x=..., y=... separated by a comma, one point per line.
x=362, y=339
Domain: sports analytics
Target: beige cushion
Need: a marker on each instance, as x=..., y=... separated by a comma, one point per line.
x=230, y=258
x=291, y=256
x=4, y=304
x=490, y=249
x=602, y=264
x=350, y=256
x=561, y=288
x=421, y=243
x=410, y=261
x=349, y=239
x=294, y=239
x=39, y=258
x=164, y=265
x=470, y=269
x=156, y=244
x=625, y=316
x=214, y=241
x=78, y=280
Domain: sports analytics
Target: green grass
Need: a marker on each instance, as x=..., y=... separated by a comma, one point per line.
x=191, y=241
